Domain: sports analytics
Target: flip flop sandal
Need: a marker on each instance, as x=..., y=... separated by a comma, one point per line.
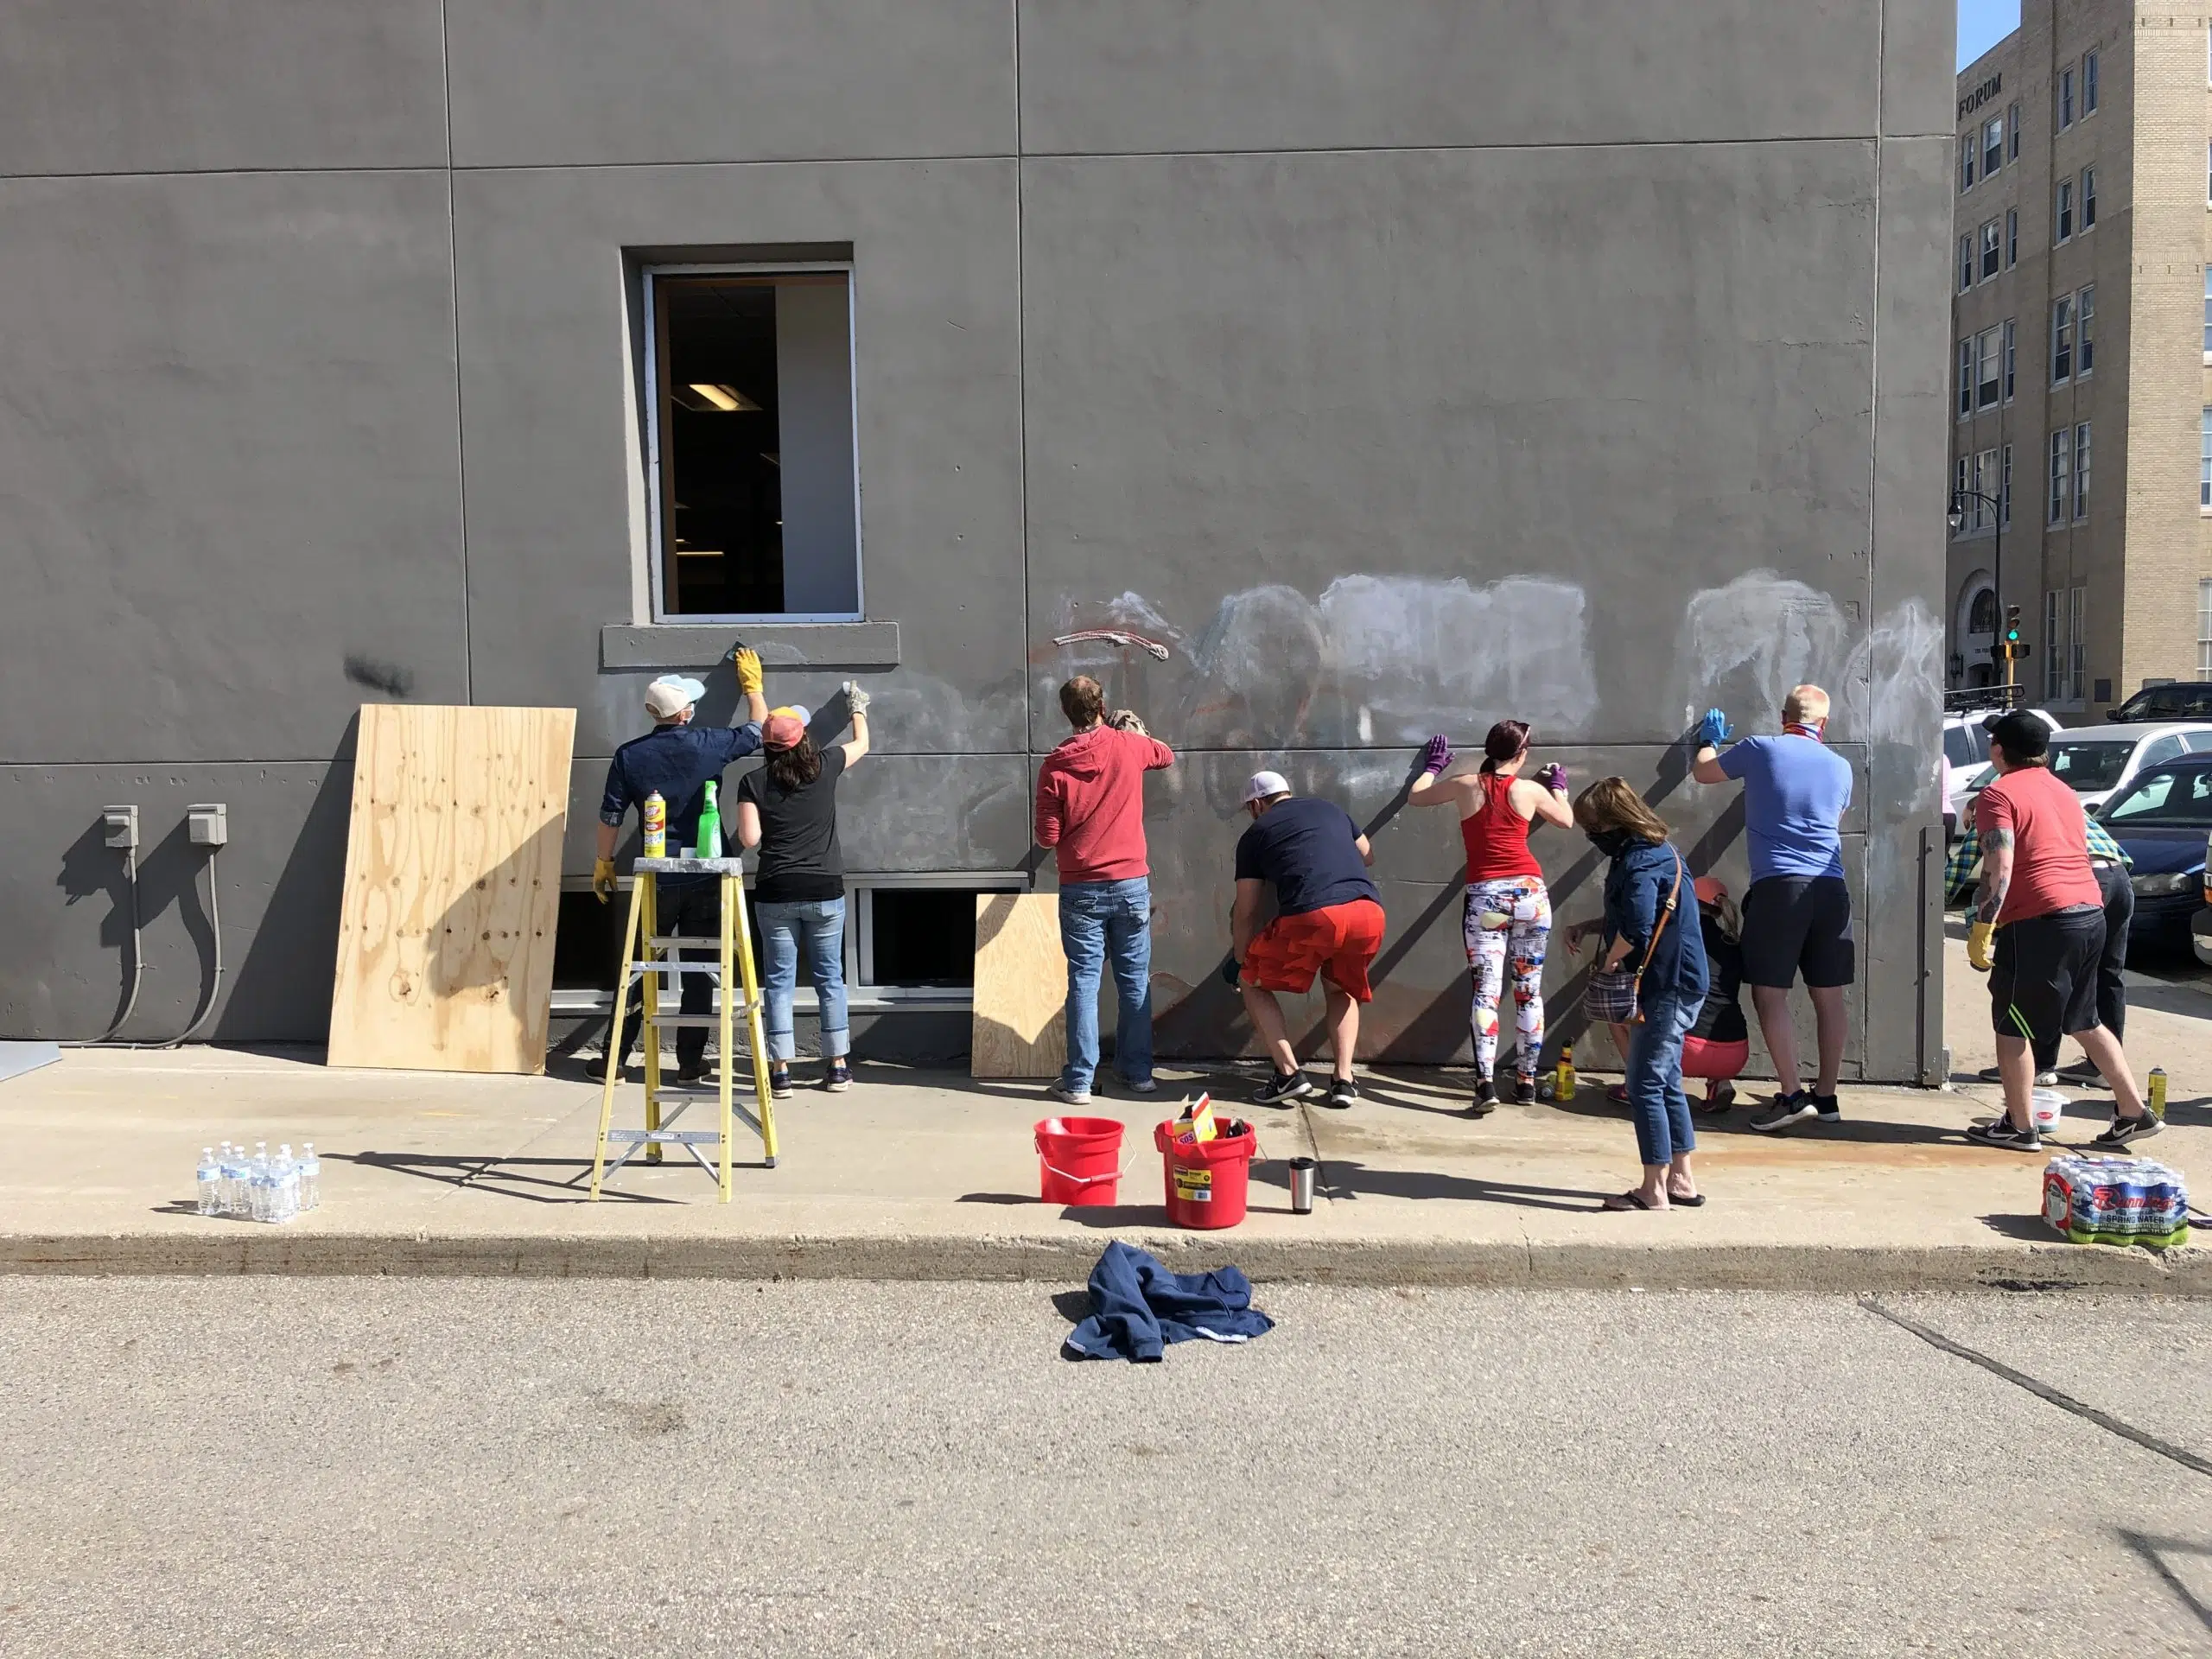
x=1631, y=1199
x=1694, y=1201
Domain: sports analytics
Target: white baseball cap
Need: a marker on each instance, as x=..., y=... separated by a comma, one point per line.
x=1263, y=785
x=670, y=695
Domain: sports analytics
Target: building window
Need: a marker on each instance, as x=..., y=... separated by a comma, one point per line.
x=2062, y=216
x=2204, y=628
x=2065, y=99
x=2208, y=313
x=1985, y=485
x=2062, y=447
x=2010, y=341
x=2204, y=464
x=2077, y=642
x=1969, y=147
x=1989, y=379
x=1966, y=264
x=2062, y=339
x=754, y=501
x=2085, y=317
x=1966, y=378
x=2081, y=470
x=2011, y=238
x=2051, y=677
x=2208, y=175
x=2012, y=133
x=2089, y=84
x=1993, y=145
x=2005, y=488
x=2088, y=198
x=1992, y=248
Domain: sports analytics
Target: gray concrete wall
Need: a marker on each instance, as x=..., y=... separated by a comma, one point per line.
x=1402, y=367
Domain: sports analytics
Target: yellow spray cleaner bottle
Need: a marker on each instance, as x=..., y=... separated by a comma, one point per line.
x=1563, y=1082
x=2157, y=1098
x=655, y=826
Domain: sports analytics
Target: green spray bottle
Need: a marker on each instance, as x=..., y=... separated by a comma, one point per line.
x=710, y=826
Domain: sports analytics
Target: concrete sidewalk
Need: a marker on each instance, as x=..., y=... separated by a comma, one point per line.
x=932, y=1175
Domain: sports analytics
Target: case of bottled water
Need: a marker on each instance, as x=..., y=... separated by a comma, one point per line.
x=260, y=1187
x=2116, y=1201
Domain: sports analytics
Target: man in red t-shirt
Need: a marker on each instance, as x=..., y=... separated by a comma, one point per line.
x=1091, y=812
x=2040, y=899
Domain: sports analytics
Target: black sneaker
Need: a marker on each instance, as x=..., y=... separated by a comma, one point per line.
x=2042, y=1079
x=1786, y=1112
x=1827, y=1107
x=779, y=1082
x=1485, y=1101
x=1283, y=1088
x=1343, y=1095
x=2124, y=1129
x=2002, y=1135
x=838, y=1077
x=693, y=1071
x=596, y=1069
x=1524, y=1091
x=2081, y=1075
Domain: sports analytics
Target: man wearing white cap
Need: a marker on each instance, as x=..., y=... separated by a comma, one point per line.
x=676, y=760
x=1328, y=921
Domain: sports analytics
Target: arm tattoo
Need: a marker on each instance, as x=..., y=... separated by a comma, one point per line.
x=1993, y=887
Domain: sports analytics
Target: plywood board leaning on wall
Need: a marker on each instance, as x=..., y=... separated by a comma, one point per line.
x=452, y=888
x=1021, y=984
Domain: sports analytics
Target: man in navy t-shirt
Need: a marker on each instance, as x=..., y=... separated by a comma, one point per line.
x=1797, y=911
x=1328, y=921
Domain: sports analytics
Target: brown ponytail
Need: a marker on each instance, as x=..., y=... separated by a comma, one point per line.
x=1508, y=739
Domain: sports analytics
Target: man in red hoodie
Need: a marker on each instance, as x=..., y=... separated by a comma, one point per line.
x=1091, y=812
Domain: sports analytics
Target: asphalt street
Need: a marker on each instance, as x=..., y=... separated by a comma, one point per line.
x=486, y=1467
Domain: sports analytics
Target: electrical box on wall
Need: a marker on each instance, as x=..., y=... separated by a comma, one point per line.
x=122, y=827
x=209, y=824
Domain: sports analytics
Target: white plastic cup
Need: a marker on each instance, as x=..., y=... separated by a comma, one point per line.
x=2046, y=1107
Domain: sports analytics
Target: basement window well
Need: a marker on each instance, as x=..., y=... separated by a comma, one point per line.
x=752, y=479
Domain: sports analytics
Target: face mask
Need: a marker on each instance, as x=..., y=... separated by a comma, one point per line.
x=1612, y=842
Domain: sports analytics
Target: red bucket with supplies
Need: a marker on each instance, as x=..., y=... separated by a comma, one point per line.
x=1079, y=1160
x=1208, y=1181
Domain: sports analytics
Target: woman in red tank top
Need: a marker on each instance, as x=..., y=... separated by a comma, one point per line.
x=1509, y=912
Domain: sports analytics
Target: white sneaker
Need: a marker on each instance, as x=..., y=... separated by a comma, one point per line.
x=1068, y=1096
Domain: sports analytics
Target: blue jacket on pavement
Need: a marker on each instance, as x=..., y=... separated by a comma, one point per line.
x=1139, y=1307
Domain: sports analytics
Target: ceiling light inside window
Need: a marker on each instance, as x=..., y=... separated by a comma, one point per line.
x=713, y=399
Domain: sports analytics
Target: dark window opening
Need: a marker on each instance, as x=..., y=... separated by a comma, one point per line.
x=587, y=942
x=923, y=936
x=754, y=495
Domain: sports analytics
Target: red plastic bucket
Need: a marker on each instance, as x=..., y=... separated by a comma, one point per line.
x=1207, y=1184
x=1079, y=1162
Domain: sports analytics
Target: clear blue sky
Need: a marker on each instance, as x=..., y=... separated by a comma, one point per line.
x=1982, y=23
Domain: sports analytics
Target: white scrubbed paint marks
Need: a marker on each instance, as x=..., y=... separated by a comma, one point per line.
x=1893, y=687
x=1745, y=645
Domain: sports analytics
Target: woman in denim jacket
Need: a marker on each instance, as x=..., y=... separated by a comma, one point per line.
x=1646, y=870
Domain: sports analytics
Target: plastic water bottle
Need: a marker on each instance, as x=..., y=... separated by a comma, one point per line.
x=286, y=1183
x=211, y=1182
x=261, y=1184
x=310, y=1178
x=236, y=1170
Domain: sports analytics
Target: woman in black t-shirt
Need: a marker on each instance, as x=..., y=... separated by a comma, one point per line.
x=788, y=809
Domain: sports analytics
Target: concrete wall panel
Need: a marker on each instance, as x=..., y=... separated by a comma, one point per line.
x=1919, y=48
x=1384, y=443
x=1166, y=75
x=554, y=496
x=226, y=450
x=729, y=80
x=165, y=85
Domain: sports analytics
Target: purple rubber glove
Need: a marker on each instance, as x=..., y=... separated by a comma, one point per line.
x=1553, y=777
x=1436, y=756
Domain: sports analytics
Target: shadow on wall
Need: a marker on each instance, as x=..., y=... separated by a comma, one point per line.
x=170, y=875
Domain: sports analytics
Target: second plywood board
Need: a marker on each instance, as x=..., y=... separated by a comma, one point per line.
x=1021, y=980
x=452, y=888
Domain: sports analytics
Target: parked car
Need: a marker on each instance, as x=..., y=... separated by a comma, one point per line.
x=2163, y=821
x=2176, y=700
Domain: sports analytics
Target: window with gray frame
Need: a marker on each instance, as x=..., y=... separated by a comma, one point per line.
x=2061, y=454
x=754, y=487
x=2065, y=99
x=2062, y=339
x=2061, y=216
x=2089, y=84
x=2012, y=133
x=2085, y=319
x=1989, y=377
x=2011, y=238
x=1970, y=152
x=1992, y=248
x=2082, y=471
x=1966, y=378
x=1993, y=145
x=2011, y=336
x=2088, y=198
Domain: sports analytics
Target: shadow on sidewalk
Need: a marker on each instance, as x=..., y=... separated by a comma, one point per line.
x=507, y=1177
x=1353, y=1180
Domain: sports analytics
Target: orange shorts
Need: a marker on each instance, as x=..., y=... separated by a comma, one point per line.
x=1337, y=942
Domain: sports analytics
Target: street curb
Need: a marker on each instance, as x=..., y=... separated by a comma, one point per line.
x=1385, y=1263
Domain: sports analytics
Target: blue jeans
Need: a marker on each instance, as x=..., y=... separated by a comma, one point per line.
x=1098, y=920
x=822, y=922
x=1655, y=1100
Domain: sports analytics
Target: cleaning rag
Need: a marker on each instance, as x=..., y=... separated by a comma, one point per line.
x=1139, y=1307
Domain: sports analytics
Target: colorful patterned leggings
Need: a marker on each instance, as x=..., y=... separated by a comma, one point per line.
x=1508, y=921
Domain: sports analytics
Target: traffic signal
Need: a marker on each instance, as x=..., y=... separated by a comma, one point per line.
x=2010, y=646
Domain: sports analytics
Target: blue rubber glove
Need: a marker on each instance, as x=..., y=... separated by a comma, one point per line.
x=1714, y=730
x=1436, y=755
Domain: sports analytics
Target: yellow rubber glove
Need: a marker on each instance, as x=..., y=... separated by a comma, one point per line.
x=1979, y=938
x=748, y=670
x=602, y=879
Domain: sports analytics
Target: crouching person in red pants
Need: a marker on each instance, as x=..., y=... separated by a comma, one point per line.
x=1719, y=1045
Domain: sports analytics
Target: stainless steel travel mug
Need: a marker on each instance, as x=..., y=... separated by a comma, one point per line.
x=1302, y=1171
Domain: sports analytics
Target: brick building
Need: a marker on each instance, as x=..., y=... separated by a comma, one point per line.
x=2083, y=180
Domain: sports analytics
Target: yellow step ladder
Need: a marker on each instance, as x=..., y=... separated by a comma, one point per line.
x=648, y=954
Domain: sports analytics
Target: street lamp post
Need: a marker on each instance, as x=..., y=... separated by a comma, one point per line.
x=1958, y=516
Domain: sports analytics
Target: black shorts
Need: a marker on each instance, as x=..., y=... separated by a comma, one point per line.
x=1795, y=923
x=2044, y=984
